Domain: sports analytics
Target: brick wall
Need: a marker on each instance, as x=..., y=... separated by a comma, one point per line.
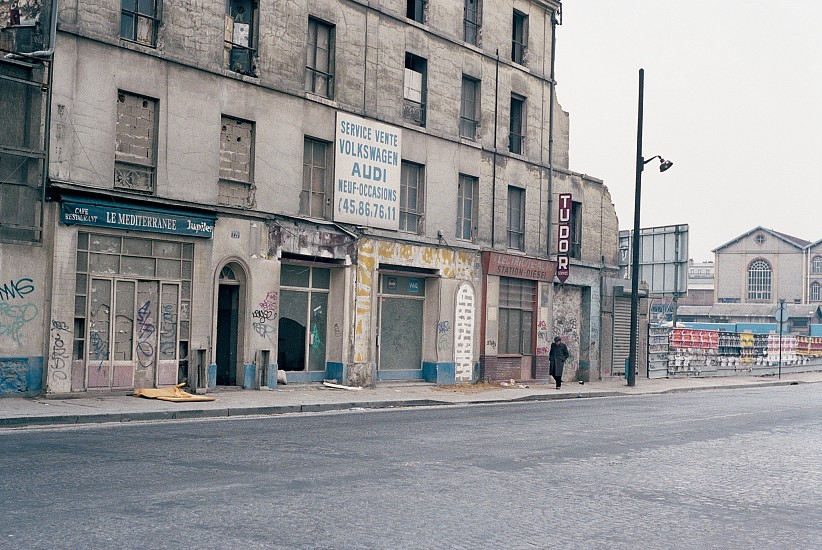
x=493, y=367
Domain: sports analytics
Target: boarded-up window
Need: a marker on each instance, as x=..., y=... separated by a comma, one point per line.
x=135, y=156
x=236, y=162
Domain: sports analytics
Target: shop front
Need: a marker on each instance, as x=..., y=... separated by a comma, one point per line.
x=123, y=294
x=516, y=335
x=414, y=311
x=309, y=311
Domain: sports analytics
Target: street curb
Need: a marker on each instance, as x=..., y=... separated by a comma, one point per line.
x=275, y=410
x=736, y=387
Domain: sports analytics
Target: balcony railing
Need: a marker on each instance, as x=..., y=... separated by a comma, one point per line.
x=413, y=111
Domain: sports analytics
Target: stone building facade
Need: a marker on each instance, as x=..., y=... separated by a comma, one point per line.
x=236, y=188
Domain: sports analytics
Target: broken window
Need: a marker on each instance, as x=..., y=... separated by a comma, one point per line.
x=241, y=36
x=414, y=89
x=315, y=199
x=236, y=162
x=139, y=20
x=319, y=64
x=135, y=154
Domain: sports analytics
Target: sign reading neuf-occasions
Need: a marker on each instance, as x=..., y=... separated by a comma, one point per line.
x=102, y=214
x=564, y=237
x=519, y=267
x=366, y=172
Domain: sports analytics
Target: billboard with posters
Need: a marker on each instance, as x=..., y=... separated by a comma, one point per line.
x=367, y=172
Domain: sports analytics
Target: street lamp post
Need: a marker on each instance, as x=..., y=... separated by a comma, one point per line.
x=640, y=166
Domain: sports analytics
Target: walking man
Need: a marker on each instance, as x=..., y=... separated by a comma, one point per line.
x=556, y=359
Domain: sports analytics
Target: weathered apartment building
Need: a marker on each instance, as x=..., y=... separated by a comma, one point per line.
x=348, y=189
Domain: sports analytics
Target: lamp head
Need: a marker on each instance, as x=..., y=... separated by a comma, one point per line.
x=664, y=164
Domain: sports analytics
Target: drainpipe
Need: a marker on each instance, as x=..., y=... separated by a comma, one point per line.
x=52, y=35
x=494, y=169
x=554, y=22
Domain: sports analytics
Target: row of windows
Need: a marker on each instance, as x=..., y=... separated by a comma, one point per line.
x=135, y=167
x=140, y=18
x=760, y=278
x=139, y=21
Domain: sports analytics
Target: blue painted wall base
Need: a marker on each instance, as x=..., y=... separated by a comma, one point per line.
x=272, y=376
x=249, y=375
x=443, y=374
x=212, y=376
x=336, y=371
x=21, y=376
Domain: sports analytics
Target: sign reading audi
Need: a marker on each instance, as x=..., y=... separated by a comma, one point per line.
x=366, y=172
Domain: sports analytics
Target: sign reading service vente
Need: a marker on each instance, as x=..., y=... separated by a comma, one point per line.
x=366, y=172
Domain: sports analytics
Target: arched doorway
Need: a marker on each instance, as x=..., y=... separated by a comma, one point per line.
x=230, y=298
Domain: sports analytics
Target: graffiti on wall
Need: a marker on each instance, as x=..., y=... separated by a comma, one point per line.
x=566, y=328
x=145, y=330
x=59, y=356
x=443, y=340
x=265, y=316
x=15, y=312
x=16, y=288
x=543, y=338
x=168, y=331
x=13, y=376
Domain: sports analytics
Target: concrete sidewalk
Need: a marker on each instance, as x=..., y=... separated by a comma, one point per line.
x=54, y=411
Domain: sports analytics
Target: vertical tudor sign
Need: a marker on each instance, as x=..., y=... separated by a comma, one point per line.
x=564, y=237
x=367, y=172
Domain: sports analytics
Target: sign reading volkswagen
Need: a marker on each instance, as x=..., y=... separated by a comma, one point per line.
x=366, y=172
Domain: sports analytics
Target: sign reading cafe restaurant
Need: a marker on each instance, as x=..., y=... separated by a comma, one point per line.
x=366, y=172
x=121, y=216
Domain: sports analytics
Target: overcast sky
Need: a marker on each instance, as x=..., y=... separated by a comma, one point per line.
x=733, y=96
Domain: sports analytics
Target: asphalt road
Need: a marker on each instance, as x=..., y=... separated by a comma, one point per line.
x=710, y=469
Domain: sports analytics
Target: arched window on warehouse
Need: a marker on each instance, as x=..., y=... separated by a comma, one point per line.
x=816, y=292
x=816, y=266
x=759, y=281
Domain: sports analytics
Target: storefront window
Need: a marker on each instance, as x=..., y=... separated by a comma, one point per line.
x=132, y=307
x=516, y=315
x=303, y=321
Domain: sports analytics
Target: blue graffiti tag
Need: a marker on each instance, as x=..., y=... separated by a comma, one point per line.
x=14, y=318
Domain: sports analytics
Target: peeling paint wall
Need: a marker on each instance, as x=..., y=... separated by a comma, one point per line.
x=452, y=264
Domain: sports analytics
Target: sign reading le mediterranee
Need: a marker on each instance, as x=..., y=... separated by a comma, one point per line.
x=130, y=217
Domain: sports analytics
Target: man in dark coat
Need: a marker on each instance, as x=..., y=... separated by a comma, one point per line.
x=556, y=358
